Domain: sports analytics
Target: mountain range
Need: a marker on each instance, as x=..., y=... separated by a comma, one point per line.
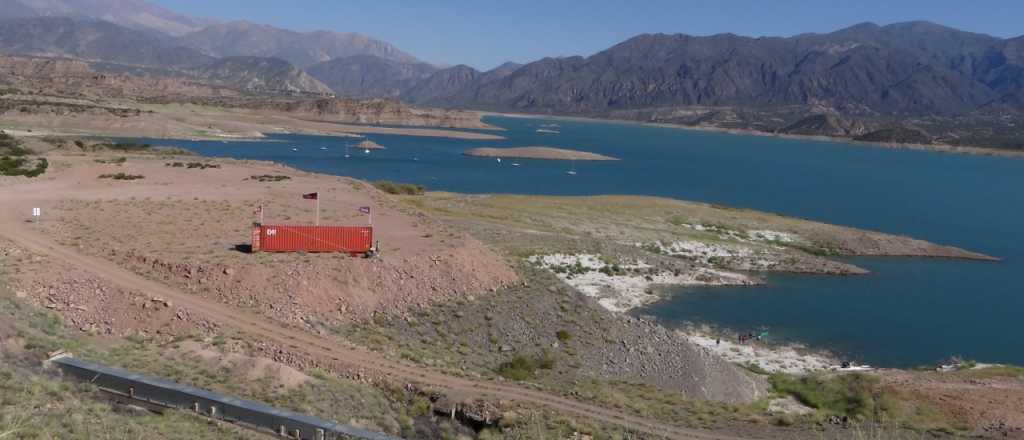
x=135, y=14
x=241, y=38
x=915, y=68
x=863, y=77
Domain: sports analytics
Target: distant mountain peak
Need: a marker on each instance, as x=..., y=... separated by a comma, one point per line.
x=302, y=49
x=135, y=14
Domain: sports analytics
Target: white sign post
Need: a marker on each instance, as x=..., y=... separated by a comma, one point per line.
x=37, y=213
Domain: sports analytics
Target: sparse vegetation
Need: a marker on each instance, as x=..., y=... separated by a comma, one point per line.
x=862, y=398
x=122, y=176
x=270, y=178
x=401, y=189
x=756, y=369
x=11, y=146
x=115, y=161
x=13, y=161
x=124, y=146
x=192, y=165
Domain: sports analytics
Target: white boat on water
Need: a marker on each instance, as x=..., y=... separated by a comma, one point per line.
x=295, y=149
x=323, y=148
x=366, y=151
x=515, y=164
x=545, y=130
x=499, y=160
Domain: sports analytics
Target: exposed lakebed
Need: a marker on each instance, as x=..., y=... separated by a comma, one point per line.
x=906, y=312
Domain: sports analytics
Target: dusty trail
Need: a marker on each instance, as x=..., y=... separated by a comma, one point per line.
x=14, y=228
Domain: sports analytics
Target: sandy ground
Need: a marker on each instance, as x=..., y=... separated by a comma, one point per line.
x=295, y=345
x=189, y=227
x=186, y=121
x=549, y=153
x=993, y=404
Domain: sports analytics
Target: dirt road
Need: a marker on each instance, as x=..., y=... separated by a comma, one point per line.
x=18, y=201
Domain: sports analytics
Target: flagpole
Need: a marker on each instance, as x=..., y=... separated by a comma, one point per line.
x=318, y=207
x=261, y=214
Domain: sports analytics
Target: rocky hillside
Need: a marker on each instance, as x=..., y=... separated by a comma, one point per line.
x=241, y=38
x=454, y=83
x=260, y=75
x=74, y=78
x=366, y=75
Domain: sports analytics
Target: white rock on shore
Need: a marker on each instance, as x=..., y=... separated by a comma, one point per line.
x=629, y=286
x=773, y=359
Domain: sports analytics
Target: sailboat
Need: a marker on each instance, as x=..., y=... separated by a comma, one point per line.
x=295, y=149
x=572, y=170
x=323, y=148
x=346, y=152
x=499, y=160
x=515, y=164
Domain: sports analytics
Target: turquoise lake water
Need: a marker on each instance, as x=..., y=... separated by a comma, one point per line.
x=907, y=312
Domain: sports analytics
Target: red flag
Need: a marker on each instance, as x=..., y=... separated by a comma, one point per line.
x=311, y=196
x=365, y=210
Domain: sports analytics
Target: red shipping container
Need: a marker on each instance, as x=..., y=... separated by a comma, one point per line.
x=278, y=238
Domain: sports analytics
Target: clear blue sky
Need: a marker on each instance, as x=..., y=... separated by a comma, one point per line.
x=485, y=33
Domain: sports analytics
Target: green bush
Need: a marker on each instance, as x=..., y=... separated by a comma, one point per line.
x=563, y=336
x=854, y=395
x=19, y=166
x=401, y=189
x=522, y=367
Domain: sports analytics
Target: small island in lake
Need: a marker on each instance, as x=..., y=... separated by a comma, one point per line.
x=548, y=153
x=369, y=145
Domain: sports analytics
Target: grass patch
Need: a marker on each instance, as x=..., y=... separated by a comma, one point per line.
x=401, y=189
x=862, y=398
x=995, y=371
x=854, y=395
x=122, y=176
